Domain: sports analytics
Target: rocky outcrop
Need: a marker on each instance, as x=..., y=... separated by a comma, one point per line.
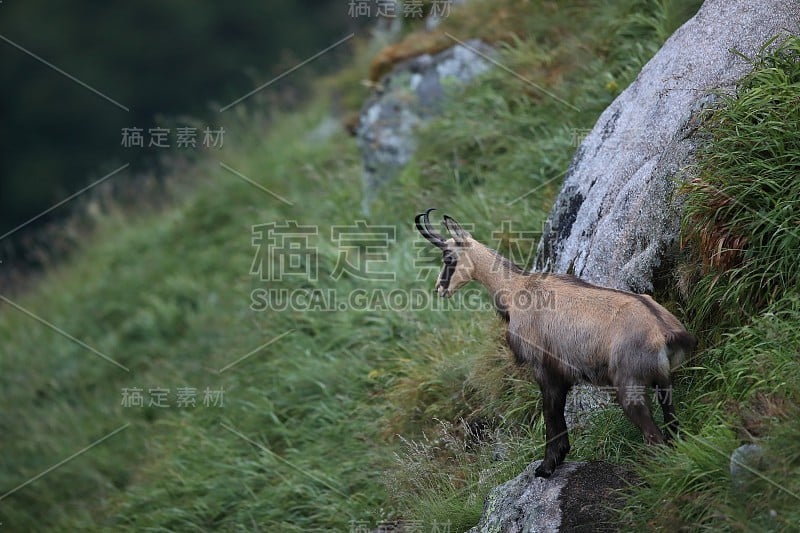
x=616, y=218
x=410, y=95
x=577, y=497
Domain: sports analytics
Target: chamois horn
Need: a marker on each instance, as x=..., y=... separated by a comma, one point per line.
x=424, y=227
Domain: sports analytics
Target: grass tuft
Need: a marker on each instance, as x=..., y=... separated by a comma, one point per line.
x=743, y=209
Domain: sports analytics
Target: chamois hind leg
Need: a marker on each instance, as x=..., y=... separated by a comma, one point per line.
x=633, y=399
x=554, y=398
x=663, y=390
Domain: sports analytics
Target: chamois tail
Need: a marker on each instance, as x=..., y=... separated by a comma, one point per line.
x=678, y=343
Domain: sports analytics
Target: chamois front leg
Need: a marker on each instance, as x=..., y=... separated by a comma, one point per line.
x=554, y=398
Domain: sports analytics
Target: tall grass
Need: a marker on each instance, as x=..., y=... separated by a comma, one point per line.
x=743, y=210
x=741, y=220
x=744, y=391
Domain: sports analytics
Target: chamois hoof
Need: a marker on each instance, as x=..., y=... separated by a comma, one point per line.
x=671, y=434
x=544, y=471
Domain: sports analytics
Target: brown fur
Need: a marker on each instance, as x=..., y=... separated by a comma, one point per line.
x=571, y=331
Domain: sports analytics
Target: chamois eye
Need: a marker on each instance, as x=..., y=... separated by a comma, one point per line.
x=449, y=260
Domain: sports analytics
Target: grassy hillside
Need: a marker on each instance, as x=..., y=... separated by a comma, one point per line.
x=345, y=417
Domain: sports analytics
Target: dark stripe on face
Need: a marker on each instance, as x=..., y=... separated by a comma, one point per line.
x=450, y=261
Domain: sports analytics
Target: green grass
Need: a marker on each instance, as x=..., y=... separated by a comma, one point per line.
x=743, y=210
x=742, y=223
x=357, y=416
x=168, y=295
x=744, y=391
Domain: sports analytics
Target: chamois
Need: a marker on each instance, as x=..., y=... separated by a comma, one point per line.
x=571, y=331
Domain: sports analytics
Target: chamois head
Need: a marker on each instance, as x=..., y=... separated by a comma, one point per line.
x=457, y=267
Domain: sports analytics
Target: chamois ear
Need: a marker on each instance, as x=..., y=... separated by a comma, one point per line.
x=455, y=229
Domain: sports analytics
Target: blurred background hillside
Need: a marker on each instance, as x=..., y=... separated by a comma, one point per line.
x=152, y=62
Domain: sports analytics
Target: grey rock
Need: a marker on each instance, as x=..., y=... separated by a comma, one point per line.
x=615, y=218
x=410, y=95
x=744, y=460
x=581, y=402
x=578, y=496
x=499, y=452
